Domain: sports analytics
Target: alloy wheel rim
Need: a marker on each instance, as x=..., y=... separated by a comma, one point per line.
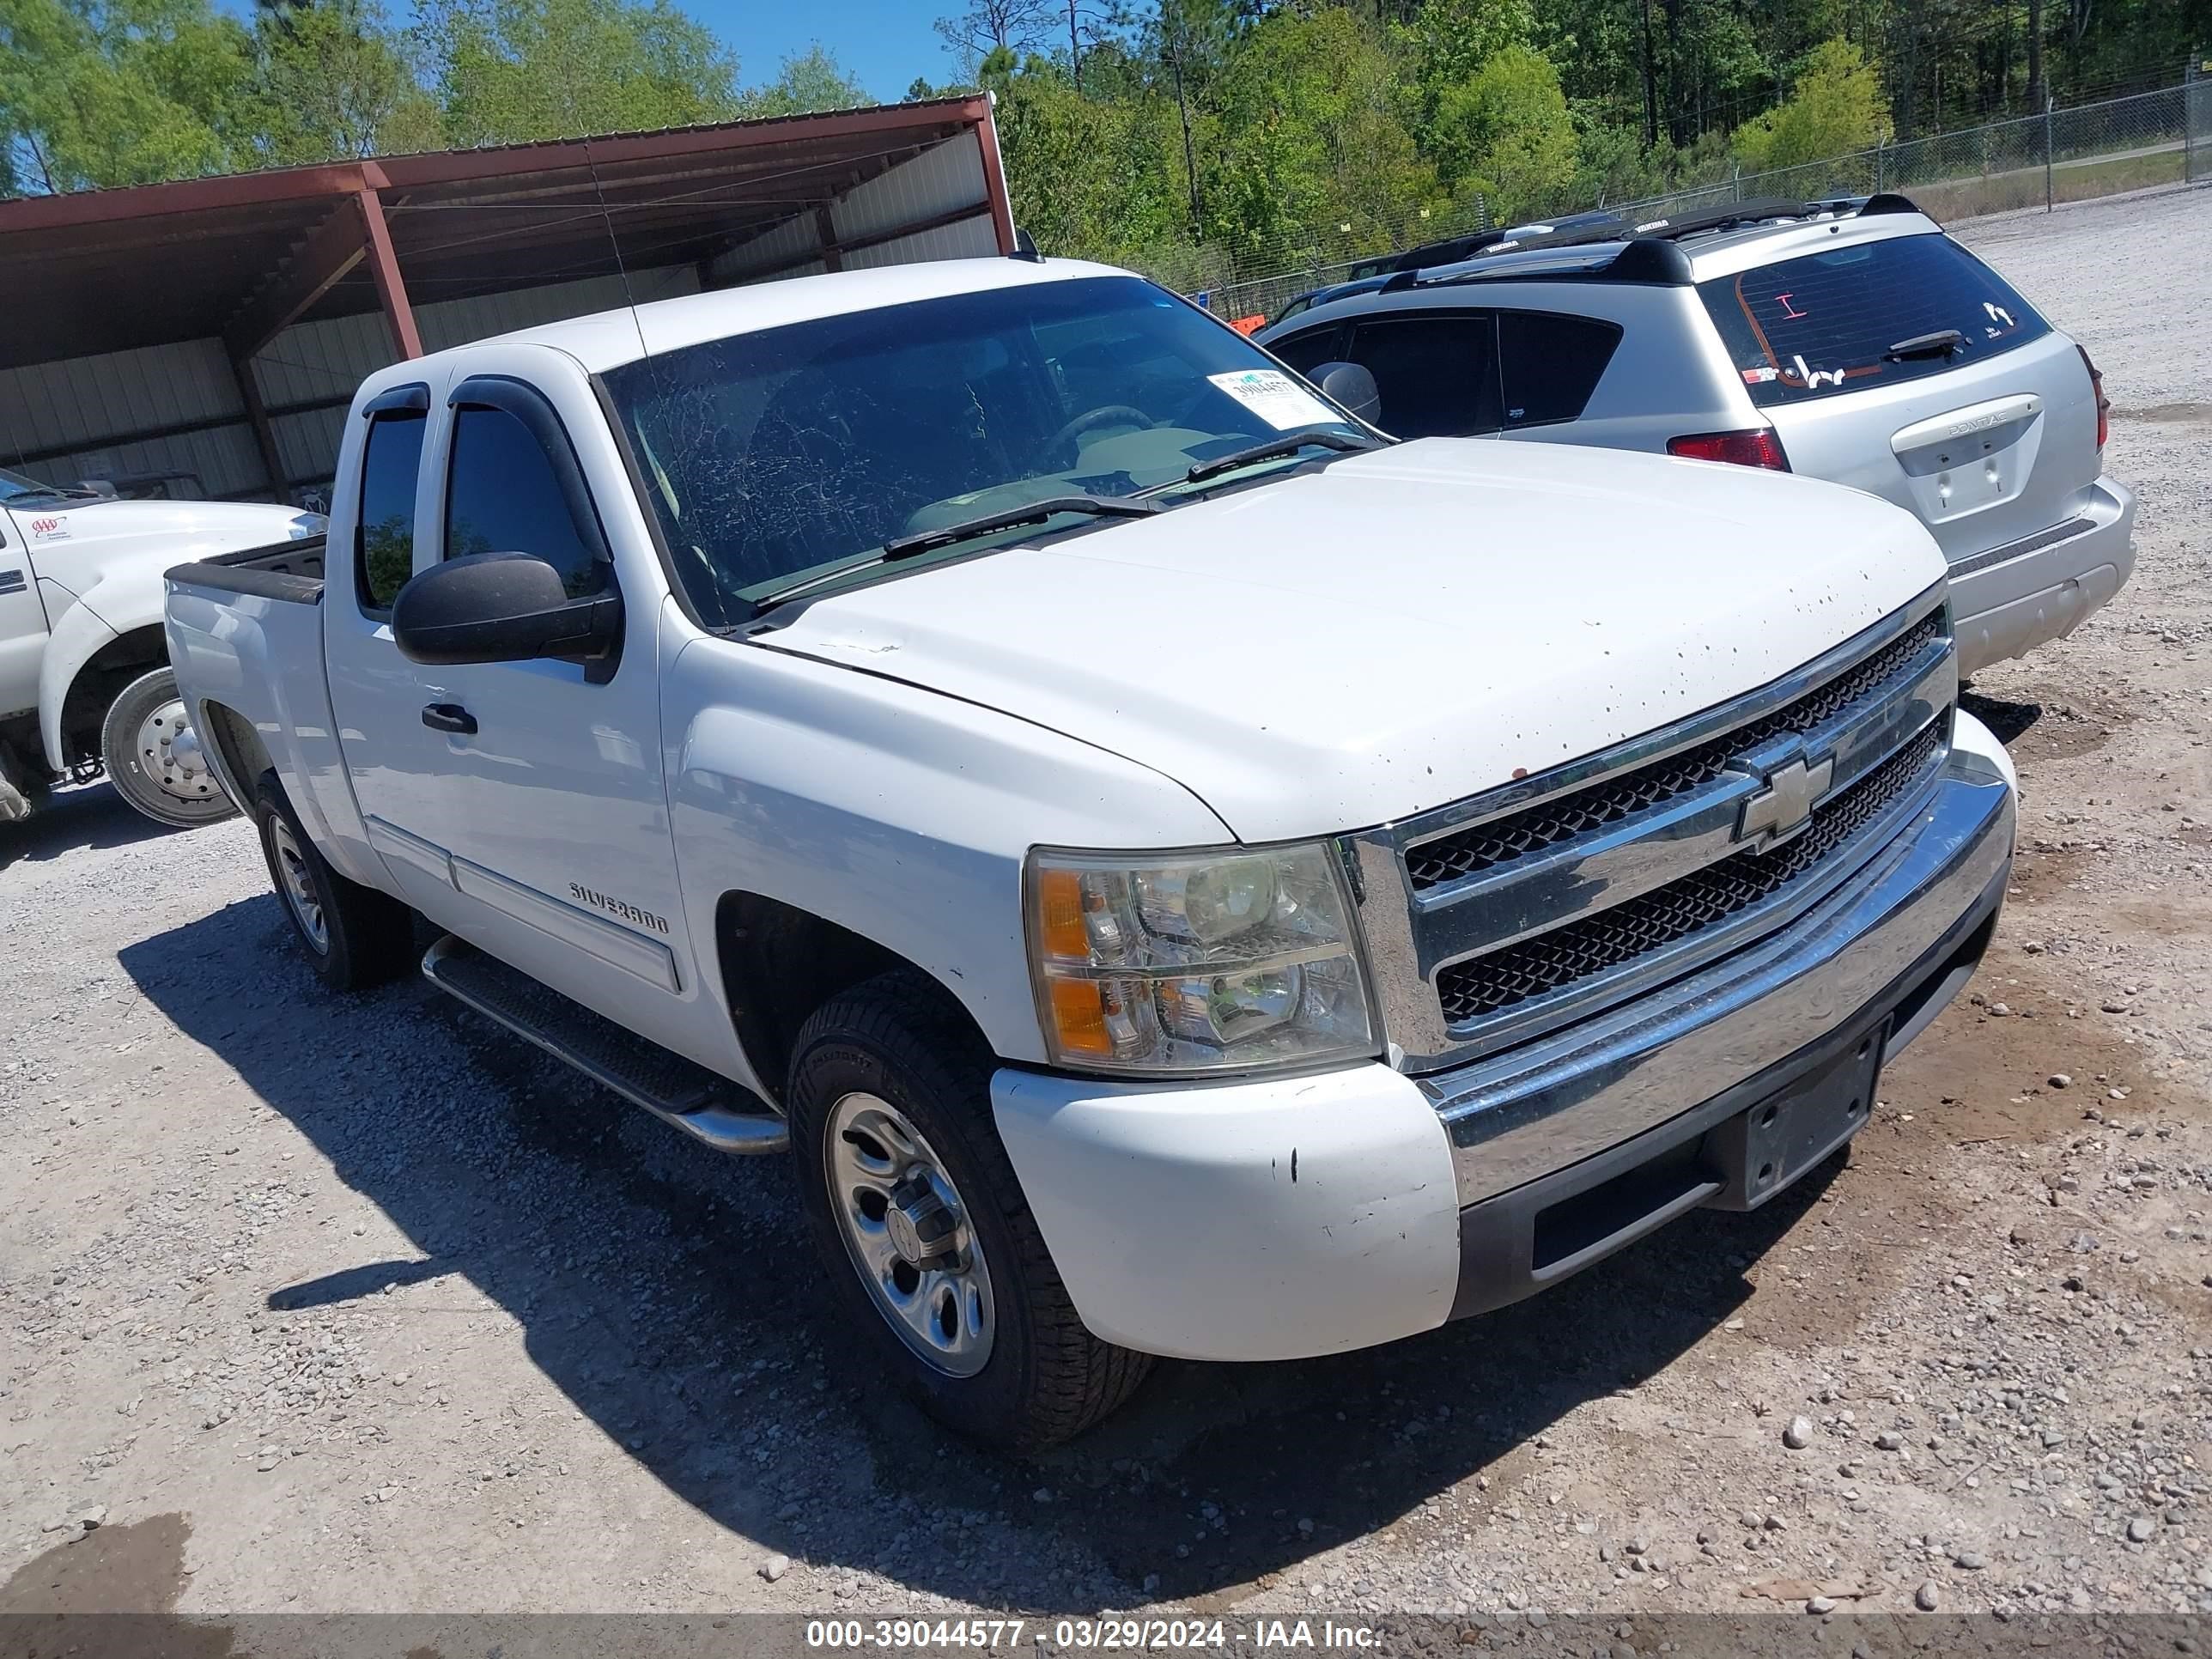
x=298, y=886
x=907, y=1232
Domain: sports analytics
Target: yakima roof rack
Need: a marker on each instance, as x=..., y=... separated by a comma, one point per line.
x=1648, y=259
x=1654, y=234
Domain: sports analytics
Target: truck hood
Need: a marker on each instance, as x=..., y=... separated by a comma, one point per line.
x=74, y=545
x=1400, y=630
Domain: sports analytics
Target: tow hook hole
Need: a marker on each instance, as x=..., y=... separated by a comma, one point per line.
x=1767, y=1118
x=1864, y=1046
x=1765, y=1173
x=1852, y=1110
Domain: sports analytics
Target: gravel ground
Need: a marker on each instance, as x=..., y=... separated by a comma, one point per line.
x=324, y=1304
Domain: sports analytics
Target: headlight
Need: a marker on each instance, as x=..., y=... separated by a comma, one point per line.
x=1196, y=961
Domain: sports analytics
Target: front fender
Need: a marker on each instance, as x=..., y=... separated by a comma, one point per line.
x=80, y=633
x=898, y=813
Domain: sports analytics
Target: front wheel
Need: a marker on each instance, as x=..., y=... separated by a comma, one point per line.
x=921, y=1222
x=153, y=756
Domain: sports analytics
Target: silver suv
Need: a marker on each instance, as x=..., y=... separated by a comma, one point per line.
x=1851, y=340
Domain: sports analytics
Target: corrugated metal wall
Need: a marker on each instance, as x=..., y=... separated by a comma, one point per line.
x=69, y=416
x=936, y=183
x=80, y=406
x=940, y=181
x=119, y=414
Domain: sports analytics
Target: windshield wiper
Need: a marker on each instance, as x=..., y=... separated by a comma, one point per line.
x=1288, y=444
x=56, y=492
x=1008, y=518
x=1941, y=344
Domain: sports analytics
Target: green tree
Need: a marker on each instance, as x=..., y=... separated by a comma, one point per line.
x=1310, y=153
x=335, y=84
x=810, y=80
x=505, y=71
x=1834, y=108
x=1448, y=41
x=1507, y=133
x=1019, y=27
x=124, y=92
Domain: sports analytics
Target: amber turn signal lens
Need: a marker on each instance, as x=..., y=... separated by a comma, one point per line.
x=1059, y=915
x=1078, y=1014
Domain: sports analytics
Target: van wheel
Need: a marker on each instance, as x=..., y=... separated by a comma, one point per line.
x=355, y=937
x=922, y=1227
x=153, y=756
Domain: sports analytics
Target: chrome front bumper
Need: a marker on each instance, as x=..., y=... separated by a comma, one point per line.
x=1518, y=1117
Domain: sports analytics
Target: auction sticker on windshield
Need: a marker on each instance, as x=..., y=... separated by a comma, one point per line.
x=1276, y=399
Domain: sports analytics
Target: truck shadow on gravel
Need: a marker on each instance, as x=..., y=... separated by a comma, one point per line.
x=91, y=819
x=669, y=1294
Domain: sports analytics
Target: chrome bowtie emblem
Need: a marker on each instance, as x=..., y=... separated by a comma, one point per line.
x=1785, y=804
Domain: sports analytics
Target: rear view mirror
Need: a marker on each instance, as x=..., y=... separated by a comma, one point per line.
x=1349, y=385
x=500, y=607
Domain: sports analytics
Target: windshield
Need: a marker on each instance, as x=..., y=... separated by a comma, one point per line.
x=14, y=486
x=1830, y=322
x=773, y=457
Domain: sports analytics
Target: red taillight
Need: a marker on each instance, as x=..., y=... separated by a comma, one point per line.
x=1758, y=448
x=2097, y=391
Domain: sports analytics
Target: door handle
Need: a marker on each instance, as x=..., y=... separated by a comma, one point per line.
x=450, y=717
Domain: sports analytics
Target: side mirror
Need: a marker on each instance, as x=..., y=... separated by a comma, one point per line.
x=1349, y=385
x=500, y=607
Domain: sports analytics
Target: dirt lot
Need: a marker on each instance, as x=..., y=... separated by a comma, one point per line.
x=331, y=1306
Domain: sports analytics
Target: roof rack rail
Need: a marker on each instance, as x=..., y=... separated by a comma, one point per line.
x=1651, y=236
x=1650, y=259
x=1646, y=260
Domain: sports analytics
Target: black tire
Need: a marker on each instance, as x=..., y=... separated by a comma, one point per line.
x=898, y=1037
x=138, y=767
x=366, y=936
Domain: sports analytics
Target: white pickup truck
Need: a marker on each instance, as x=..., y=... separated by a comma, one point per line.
x=1185, y=874
x=84, y=685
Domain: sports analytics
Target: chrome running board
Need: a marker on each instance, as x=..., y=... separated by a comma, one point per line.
x=708, y=1108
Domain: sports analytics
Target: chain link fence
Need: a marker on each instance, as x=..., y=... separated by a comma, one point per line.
x=2197, y=121
x=2135, y=143
x=1238, y=290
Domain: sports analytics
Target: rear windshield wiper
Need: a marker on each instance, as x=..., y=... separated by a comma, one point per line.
x=1008, y=518
x=1941, y=344
x=1288, y=444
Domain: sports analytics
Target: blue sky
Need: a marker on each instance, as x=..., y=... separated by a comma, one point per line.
x=884, y=43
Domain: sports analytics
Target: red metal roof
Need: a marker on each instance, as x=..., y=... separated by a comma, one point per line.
x=101, y=270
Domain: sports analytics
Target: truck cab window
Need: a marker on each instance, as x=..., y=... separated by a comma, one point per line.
x=384, y=533
x=504, y=496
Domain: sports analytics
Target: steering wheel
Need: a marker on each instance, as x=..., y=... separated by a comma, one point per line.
x=1104, y=415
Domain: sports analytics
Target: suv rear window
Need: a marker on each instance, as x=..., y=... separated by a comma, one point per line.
x=1829, y=322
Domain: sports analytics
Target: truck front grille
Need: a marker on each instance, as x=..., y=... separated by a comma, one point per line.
x=1516, y=912
x=1486, y=984
x=1549, y=823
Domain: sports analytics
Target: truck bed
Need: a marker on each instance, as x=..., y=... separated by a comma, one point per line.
x=246, y=639
x=290, y=571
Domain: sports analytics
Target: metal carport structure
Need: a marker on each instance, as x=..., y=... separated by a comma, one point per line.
x=212, y=330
